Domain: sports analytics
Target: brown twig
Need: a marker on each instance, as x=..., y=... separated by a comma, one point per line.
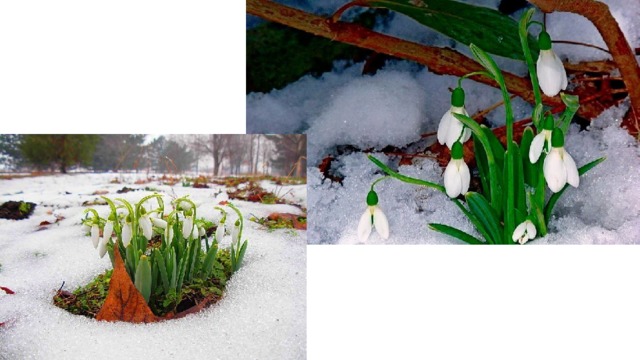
x=598, y=13
x=438, y=60
x=581, y=44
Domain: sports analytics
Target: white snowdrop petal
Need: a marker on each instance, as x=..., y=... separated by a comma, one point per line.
x=455, y=129
x=452, y=183
x=220, y=232
x=465, y=177
x=519, y=232
x=95, y=235
x=549, y=75
x=554, y=170
x=364, y=226
x=443, y=127
x=102, y=248
x=536, y=147
x=573, y=177
x=187, y=226
x=146, y=227
x=108, y=230
x=127, y=233
x=159, y=223
x=381, y=223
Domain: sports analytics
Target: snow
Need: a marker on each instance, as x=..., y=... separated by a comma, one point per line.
x=403, y=100
x=262, y=314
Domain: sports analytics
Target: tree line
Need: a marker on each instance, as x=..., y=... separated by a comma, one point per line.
x=216, y=154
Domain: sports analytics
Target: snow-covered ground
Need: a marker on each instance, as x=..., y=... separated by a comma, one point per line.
x=261, y=316
x=403, y=100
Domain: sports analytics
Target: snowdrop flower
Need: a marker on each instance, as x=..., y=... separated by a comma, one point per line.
x=95, y=235
x=220, y=231
x=187, y=226
x=102, y=248
x=202, y=232
x=456, y=175
x=235, y=233
x=146, y=226
x=551, y=73
x=195, y=232
x=450, y=128
x=559, y=167
x=168, y=235
x=524, y=232
x=373, y=216
x=158, y=222
x=127, y=233
x=108, y=230
x=542, y=141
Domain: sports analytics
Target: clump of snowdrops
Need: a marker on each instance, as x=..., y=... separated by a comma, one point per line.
x=510, y=207
x=185, y=252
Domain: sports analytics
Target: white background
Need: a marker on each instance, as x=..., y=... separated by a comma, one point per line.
x=179, y=67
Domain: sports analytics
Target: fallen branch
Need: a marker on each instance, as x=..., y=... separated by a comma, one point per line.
x=437, y=60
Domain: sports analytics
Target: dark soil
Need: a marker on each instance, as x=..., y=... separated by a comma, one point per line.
x=16, y=210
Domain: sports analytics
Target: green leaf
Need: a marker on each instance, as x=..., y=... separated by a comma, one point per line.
x=164, y=277
x=510, y=175
x=474, y=220
x=572, y=103
x=405, y=178
x=486, y=215
x=528, y=168
x=207, y=266
x=536, y=117
x=458, y=234
x=143, y=278
x=483, y=166
x=485, y=27
x=555, y=197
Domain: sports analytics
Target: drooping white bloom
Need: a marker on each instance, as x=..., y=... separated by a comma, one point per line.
x=202, y=232
x=102, y=247
x=146, y=226
x=559, y=167
x=524, y=232
x=187, y=226
x=95, y=235
x=220, y=231
x=168, y=235
x=456, y=175
x=450, y=129
x=195, y=232
x=158, y=222
x=108, y=230
x=551, y=73
x=373, y=217
x=542, y=141
x=235, y=233
x=127, y=234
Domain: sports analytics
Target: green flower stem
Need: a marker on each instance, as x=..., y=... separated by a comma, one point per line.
x=524, y=41
x=378, y=180
x=405, y=178
x=491, y=161
x=488, y=63
x=473, y=74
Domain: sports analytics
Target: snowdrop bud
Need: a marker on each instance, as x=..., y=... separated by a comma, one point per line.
x=451, y=129
x=235, y=233
x=127, y=234
x=185, y=205
x=187, y=226
x=456, y=176
x=202, y=232
x=195, y=232
x=95, y=235
x=524, y=232
x=108, y=230
x=158, y=223
x=86, y=228
x=146, y=227
x=102, y=248
x=168, y=235
x=552, y=76
x=220, y=231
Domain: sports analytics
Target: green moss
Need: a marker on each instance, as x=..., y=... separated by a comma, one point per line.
x=24, y=207
x=279, y=223
x=85, y=300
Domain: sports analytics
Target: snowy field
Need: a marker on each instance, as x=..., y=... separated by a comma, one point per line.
x=404, y=100
x=261, y=316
